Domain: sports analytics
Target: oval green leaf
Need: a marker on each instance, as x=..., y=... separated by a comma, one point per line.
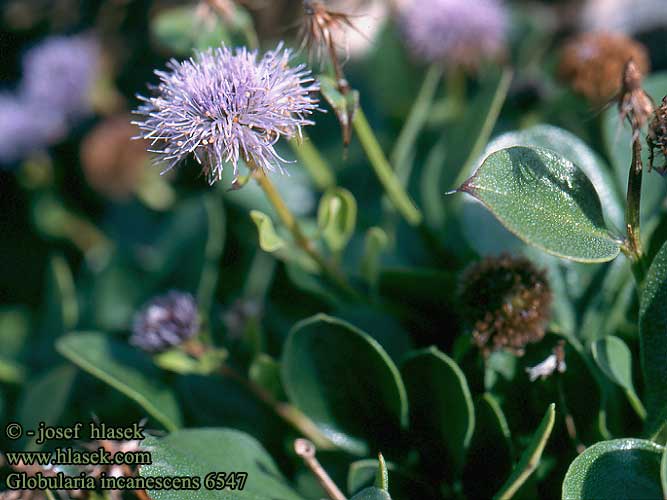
x=337, y=217
x=615, y=360
x=269, y=241
x=577, y=151
x=546, y=201
x=441, y=408
x=372, y=494
x=198, y=452
x=617, y=469
x=653, y=339
x=344, y=381
x=126, y=369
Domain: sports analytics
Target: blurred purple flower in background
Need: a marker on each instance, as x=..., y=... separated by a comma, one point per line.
x=54, y=92
x=165, y=322
x=454, y=32
x=25, y=127
x=223, y=105
x=59, y=74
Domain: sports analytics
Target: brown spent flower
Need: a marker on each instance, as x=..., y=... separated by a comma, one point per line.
x=323, y=29
x=112, y=162
x=657, y=137
x=592, y=63
x=633, y=103
x=507, y=302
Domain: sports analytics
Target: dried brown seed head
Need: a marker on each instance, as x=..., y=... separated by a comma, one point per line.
x=592, y=64
x=507, y=303
x=112, y=162
x=634, y=104
x=657, y=137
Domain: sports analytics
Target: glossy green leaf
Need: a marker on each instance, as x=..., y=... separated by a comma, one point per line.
x=265, y=372
x=344, y=381
x=269, y=241
x=441, y=408
x=663, y=472
x=545, y=200
x=372, y=494
x=617, y=469
x=618, y=140
x=45, y=400
x=575, y=150
x=531, y=456
x=178, y=361
x=126, y=369
x=615, y=360
x=337, y=217
x=198, y=452
x=382, y=475
x=653, y=339
x=491, y=444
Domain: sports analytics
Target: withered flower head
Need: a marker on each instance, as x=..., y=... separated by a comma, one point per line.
x=507, y=302
x=323, y=30
x=112, y=162
x=657, y=136
x=592, y=63
x=633, y=103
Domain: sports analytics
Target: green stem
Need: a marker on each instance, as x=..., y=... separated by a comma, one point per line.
x=636, y=404
x=314, y=163
x=633, y=246
x=414, y=125
x=290, y=414
x=391, y=183
x=289, y=221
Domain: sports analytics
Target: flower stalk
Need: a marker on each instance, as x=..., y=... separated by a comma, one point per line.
x=289, y=220
x=633, y=246
x=289, y=413
x=386, y=175
x=317, y=167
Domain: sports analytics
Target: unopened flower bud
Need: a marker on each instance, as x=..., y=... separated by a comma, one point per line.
x=165, y=322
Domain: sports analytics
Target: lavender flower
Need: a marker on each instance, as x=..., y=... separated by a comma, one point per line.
x=456, y=32
x=58, y=74
x=166, y=321
x=223, y=105
x=25, y=128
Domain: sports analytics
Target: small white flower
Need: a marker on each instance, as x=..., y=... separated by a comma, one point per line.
x=546, y=368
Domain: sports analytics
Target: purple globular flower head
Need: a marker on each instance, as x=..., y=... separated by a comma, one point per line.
x=165, y=322
x=59, y=73
x=223, y=105
x=454, y=32
x=25, y=128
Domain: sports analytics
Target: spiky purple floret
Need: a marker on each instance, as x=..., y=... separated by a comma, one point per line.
x=223, y=105
x=166, y=321
x=456, y=32
x=59, y=73
x=25, y=127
